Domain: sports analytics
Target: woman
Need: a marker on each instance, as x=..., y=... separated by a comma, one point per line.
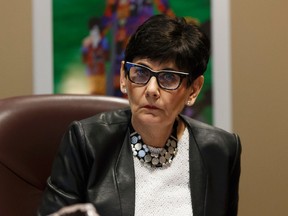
x=150, y=159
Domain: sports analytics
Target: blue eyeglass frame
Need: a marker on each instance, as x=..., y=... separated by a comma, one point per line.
x=129, y=65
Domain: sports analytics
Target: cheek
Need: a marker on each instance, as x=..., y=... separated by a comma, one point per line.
x=180, y=99
x=134, y=94
x=179, y=105
x=175, y=103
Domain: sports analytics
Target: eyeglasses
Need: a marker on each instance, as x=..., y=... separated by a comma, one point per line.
x=166, y=79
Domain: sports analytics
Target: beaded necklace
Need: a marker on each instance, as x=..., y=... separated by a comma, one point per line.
x=160, y=158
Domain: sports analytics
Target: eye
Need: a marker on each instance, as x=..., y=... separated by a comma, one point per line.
x=169, y=77
x=141, y=72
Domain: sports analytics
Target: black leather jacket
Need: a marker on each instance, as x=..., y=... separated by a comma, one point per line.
x=95, y=164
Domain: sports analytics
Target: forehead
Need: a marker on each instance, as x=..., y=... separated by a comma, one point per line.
x=156, y=64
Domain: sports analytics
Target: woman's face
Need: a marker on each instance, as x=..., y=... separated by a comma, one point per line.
x=153, y=105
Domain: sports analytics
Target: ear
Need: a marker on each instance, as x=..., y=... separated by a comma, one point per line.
x=123, y=79
x=195, y=89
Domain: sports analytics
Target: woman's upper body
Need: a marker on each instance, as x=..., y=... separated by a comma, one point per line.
x=98, y=168
x=162, y=72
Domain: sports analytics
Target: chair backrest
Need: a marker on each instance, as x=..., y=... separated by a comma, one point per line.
x=31, y=128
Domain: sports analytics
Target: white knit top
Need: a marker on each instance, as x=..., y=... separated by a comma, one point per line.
x=165, y=190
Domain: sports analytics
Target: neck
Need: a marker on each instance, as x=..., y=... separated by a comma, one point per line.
x=156, y=136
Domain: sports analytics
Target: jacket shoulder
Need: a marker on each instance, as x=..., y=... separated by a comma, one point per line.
x=103, y=129
x=207, y=134
x=214, y=143
x=100, y=135
x=120, y=116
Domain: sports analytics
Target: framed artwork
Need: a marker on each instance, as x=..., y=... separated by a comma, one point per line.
x=89, y=38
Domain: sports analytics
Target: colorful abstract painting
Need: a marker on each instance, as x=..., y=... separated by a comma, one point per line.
x=89, y=38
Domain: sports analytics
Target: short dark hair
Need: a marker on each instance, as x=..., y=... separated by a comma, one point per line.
x=163, y=38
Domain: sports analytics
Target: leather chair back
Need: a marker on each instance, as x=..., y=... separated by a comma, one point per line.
x=31, y=128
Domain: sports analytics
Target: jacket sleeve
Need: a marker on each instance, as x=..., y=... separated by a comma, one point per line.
x=66, y=184
x=234, y=182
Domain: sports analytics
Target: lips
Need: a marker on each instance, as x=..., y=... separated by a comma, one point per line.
x=151, y=107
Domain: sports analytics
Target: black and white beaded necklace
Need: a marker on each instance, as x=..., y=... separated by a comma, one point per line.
x=160, y=158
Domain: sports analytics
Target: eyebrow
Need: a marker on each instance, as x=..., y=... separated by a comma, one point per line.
x=165, y=69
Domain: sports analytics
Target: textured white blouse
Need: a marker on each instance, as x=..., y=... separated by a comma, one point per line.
x=165, y=190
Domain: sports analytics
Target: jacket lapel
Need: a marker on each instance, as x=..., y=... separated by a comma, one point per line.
x=125, y=178
x=198, y=175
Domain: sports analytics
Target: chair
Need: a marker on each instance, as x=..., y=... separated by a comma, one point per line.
x=31, y=128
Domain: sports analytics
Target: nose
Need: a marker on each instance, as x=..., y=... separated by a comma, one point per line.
x=152, y=88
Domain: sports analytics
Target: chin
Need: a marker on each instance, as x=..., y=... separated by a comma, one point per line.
x=151, y=119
